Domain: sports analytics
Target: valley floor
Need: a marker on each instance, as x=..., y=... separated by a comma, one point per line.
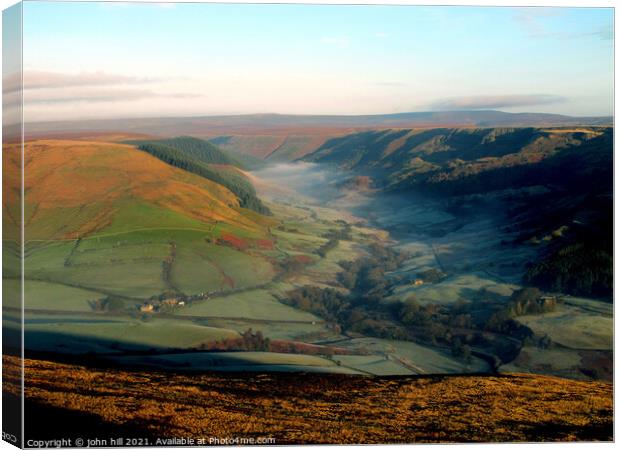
x=310, y=408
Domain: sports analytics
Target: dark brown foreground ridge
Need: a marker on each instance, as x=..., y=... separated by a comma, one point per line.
x=313, y=408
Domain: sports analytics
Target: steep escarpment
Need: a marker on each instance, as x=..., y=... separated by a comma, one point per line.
x=553, y=186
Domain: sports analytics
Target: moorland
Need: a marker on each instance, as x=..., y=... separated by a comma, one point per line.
x=309, y=408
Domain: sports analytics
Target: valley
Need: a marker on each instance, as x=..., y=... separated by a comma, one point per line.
x=156, y=253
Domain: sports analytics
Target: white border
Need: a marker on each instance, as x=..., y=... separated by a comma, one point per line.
x=503, y=3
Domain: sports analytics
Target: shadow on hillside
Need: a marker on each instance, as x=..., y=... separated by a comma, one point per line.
x=44, y=422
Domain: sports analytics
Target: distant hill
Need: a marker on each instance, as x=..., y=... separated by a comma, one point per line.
x=265, y=123
x=286, y=137
x=465, y=160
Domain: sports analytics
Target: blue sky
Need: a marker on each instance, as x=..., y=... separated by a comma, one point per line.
x=87, y=60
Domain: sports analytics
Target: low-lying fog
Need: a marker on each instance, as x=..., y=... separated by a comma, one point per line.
x=314, y=182
x=466, y=247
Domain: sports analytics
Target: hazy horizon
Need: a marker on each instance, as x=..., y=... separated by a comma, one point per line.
x=199, y=115
x=188, y=60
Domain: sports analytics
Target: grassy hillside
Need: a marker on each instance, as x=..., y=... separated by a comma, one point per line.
x=105, y=219
x=77, y=188
x=307, y=408
x=287, y=145
x=209, y=165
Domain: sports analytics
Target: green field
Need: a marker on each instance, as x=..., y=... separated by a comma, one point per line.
x=76, y=333
x=129, y=264
x=304, y=332
x=237, y=362
x=55, y=297
x=417, y=358
x=557, y=361
x=127, y=259
x=193, y=273
x=257, y=304
x=373, y=365
x=576, y=324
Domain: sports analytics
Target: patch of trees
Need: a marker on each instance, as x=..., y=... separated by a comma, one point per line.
x=461, y=350
x=255, y=341
x=109, y=303
x=524, y=301
x=400, y=321
x=530, y=301
x=236, y=183
x=577, y=269
x=167, y=264
x=343, y=234
x=197, y=149
x=329, y=245
x=458, y=327
x=333, y=238
x=249, y=341
x=367, y=276
x=328, y=303
x=454, y=327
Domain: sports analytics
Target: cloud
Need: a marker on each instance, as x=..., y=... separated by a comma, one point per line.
x=54, y=88
x=604, y=33
x=339, y=42
x=495, y=101
x=73, y=95
x=534, y=21
x=34, y=79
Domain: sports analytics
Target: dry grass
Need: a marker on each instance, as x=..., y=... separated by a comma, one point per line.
x=64, y=175
x=325, y=408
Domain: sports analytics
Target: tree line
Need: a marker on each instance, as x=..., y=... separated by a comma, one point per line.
x=236, y=183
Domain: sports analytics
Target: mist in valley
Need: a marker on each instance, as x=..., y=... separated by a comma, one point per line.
x=463, y=243
x=462, y=255
x=305, y=181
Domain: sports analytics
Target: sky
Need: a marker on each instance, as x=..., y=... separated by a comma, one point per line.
x=110, y=60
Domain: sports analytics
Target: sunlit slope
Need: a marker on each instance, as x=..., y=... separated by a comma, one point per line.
x=207, y=161
x=11, y=191
x=314, y=408
x=451, y=159
x=106, y=219
x=76, y=188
